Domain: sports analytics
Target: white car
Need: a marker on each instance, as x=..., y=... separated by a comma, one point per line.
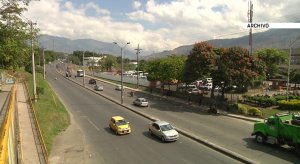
x=141, y=102
x=119, y=88
x=193, y=90
x=163, y=130
x=98, y=87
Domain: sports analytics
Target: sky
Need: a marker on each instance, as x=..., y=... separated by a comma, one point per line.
x=156, y=25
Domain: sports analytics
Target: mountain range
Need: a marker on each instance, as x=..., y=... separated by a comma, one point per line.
x=273, y=38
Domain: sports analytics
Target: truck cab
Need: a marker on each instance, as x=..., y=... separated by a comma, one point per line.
x=279, y=129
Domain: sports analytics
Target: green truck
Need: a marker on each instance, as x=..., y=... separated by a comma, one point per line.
x=280, y=129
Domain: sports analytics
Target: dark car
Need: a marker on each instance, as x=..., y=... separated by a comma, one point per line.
x=92, y=81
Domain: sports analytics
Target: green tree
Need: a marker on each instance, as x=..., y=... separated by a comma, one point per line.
x=272, y=59
x=142, y=65
x=108, y=63
x=153, y=69
x=14, y=35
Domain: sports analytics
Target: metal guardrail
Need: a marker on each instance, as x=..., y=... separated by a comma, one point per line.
x=40, y=136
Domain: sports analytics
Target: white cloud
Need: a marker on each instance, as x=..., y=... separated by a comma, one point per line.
x=136, y=5
x=158, y=26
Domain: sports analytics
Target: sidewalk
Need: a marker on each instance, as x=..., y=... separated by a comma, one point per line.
x=29, y=153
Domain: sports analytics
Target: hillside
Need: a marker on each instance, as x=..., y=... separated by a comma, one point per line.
x=274, y=38
x=60, y=44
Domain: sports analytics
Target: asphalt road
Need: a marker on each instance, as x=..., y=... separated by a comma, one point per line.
x=92, y=113
x=230, y=133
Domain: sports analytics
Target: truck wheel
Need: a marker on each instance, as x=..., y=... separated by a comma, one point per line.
x=260, y=138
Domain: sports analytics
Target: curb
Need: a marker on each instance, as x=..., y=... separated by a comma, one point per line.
x=187, y=134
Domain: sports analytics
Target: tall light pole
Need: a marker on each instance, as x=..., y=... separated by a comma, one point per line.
x=122, y=68
x=289, y=66
x=33, y=63
x=83, y=69
x=137, y=65
x=44, y=63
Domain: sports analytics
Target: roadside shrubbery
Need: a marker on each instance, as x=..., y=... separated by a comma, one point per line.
x=263, y=101
x=245, y=109
x=289, y=105
x=267, y=101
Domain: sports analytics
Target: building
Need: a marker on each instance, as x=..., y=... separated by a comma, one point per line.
x=295, y=59
x=92, y=61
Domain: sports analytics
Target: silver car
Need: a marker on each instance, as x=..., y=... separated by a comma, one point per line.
x=119, y=88
x=141, y=102
x=98, y=87
x=163, y=130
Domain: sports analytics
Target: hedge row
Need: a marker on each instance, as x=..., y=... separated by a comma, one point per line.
x=243, y=109
x=267, y=101
x=289, y=105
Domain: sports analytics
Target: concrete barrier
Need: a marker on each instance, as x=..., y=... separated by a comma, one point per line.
x=8, y=144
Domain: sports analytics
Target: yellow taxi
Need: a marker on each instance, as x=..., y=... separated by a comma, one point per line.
x=119, y=125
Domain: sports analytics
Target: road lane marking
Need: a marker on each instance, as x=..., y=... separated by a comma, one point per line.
x=93, y=124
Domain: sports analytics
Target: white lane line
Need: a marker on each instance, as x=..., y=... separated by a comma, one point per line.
x=93, y=124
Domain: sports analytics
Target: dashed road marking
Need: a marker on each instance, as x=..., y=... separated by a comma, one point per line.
x=93, y=124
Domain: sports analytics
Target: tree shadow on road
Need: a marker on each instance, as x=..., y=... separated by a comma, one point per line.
x=283, y=152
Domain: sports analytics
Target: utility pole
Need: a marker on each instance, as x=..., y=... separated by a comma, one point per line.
x=93, y=64
x=44, y=63
x=137, y=65
x=83, y=68
x=250, y=20
x=33, y=63
x=122, y=69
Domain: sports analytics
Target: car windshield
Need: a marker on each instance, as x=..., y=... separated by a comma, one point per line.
x=166, y=127
x=121, y=122
x=143, y=100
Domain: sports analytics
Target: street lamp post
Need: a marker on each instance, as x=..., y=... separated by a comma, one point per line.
x=289, y=65
x=44, y=63
x=83, y=69
x=137, y=64
x=122, y=68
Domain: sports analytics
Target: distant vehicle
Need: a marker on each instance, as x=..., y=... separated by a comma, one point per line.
x=98, y=87
x=119, y=125
x=193, y=90
x=80, y=73
x=141, y=102
x=119, y=88
x=217, y=89
x=92, y=81
x=163, y=130
x=208, y=80
x=68, y=74
x=183, y=85
x=207, y=86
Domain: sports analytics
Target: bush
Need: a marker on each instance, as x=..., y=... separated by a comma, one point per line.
x=254, y=112
x=289, y=105
x=242, y=109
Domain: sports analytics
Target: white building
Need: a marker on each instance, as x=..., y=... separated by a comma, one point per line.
x=92, y=61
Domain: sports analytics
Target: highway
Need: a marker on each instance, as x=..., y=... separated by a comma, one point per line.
x=92, y=113
x=232, y=134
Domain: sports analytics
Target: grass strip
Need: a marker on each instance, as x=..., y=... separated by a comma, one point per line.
x=52, y=116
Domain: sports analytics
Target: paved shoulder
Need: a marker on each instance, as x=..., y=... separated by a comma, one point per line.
x=68, y=147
